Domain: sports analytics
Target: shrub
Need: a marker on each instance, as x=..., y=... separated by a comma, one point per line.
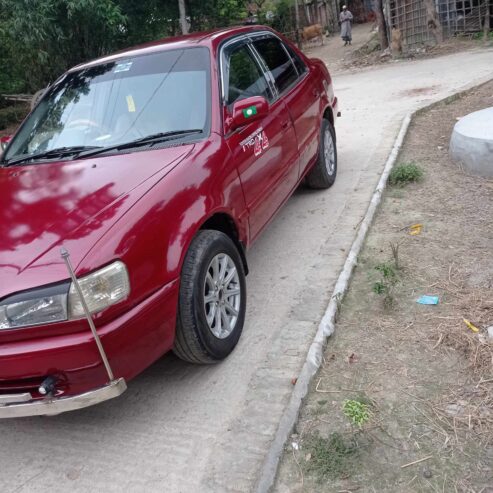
x=405, y=173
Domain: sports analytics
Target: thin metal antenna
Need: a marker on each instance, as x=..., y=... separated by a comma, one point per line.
x=66, y=258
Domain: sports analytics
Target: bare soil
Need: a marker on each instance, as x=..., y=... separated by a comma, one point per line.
x=426, y=375
x=364, y=51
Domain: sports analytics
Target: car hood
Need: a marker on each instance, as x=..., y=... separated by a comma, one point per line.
x=73, y=203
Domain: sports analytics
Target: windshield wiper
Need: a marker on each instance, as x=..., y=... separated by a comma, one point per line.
x=149, y=139
x=59, y=151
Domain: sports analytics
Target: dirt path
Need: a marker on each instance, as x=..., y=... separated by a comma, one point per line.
x=335, y=54
x=424, y=377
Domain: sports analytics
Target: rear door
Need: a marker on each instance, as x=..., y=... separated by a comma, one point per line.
x=265, y=151
x=296, y=85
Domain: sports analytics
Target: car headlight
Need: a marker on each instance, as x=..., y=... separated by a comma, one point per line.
x=39, y=306
x=60, y=302
x=101, y=289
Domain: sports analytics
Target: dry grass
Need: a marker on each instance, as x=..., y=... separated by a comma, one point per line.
x=428, y=375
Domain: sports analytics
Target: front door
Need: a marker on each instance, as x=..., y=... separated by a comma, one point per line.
x=265, y=151
x=299, y=91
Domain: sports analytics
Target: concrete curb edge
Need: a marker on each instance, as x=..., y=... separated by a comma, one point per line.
x=327, y=324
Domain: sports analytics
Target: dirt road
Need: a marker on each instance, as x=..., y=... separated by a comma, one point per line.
x=334, y=53
x=183, y=428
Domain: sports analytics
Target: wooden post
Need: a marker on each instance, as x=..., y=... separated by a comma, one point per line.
x=487, y=15
x=434, y=24
x=382, y=26
x=183, y=17
x=297, y=18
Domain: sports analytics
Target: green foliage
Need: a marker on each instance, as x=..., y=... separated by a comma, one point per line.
x=379, y=287
x=357, y=411
x=331, y=458
x=480, y=36
x=385, y=285
x=11, y=115
x=43, y=38
x=387, y=270
x=405, y=173
x=210, y=14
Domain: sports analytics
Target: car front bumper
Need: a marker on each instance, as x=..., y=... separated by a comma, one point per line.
x=132, y=342
x=22, y=405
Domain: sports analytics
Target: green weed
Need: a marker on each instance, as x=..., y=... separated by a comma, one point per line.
x=405, y=173
x=357, y=411
x=388, y=279
x=479, y=36
x=330, y=458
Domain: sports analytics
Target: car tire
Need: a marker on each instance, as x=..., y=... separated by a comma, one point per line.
x=323, y=174
x=212, y=299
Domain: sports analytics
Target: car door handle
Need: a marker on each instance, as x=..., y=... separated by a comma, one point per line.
x=316, y=92
x=285, y=124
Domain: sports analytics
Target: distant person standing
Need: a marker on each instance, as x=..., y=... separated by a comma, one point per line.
x=346, y=20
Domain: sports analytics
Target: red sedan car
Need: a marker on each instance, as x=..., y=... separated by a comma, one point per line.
x=152, y=170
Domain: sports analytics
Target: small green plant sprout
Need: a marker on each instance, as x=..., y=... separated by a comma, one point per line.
x=385, y=285
x=358, y=412
x=405, y=173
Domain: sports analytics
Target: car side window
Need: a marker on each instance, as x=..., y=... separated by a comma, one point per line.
x=278, y=61
x=298, y=62
x=244, y=77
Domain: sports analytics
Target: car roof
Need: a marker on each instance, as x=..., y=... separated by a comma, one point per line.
x=209, y=38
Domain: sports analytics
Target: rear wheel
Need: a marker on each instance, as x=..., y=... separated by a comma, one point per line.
x=212, y=299
x=323, y=174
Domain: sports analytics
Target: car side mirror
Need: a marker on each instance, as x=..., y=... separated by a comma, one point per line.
x=248, y=110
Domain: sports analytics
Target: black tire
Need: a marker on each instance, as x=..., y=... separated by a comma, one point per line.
x=322, y=175
x=194, y=340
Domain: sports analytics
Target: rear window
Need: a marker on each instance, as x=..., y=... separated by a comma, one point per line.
x=277, y=61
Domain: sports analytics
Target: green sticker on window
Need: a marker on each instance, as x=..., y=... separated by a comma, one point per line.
x=250, y=111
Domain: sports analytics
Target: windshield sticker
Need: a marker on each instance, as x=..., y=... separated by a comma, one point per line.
x=123, y=67
x=130, y=104
x=258, y=140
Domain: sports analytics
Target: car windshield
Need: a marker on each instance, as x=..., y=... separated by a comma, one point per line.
x=118, y=102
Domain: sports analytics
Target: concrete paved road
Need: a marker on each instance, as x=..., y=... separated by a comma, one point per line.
x=183, y=428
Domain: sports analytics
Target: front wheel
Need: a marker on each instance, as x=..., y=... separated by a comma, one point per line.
x=212, y=299
x=323, y=174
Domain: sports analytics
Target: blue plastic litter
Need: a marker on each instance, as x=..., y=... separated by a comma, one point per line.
x=427, y=300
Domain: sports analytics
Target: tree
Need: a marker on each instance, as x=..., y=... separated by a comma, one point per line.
x=183, y=17
x=487, y=15
x=147, y=20
x=382, y=25
x=40, y=39
x=434, y=24
x=48, y=36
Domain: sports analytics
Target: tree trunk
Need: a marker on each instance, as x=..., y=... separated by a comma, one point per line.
x=487, y=15
x=183, y=17
x=307, y=14
x=297, y=17
x=434, y=24
x=382, y=25
x=316, y=13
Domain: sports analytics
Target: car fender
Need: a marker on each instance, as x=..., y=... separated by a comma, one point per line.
x=153, y=236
